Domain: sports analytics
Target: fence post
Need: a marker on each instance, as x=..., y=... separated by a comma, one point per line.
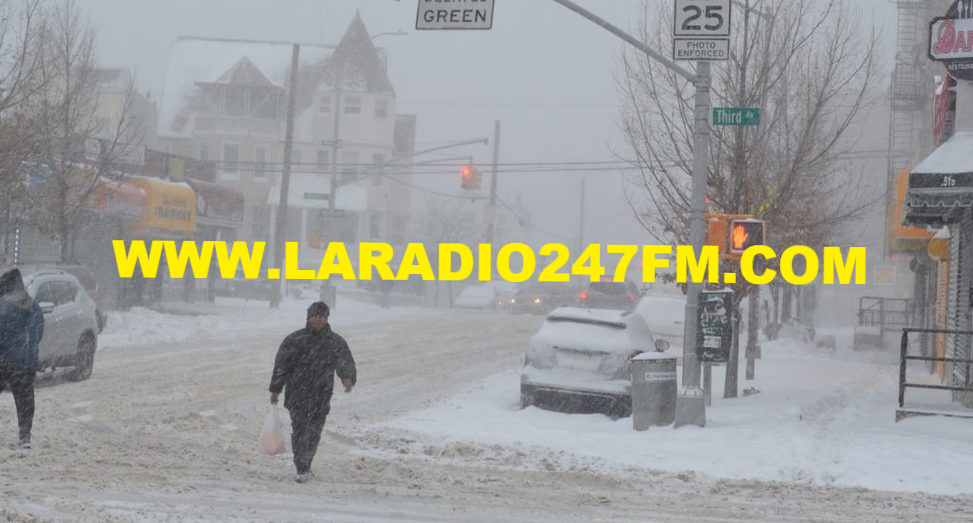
x=905, y=344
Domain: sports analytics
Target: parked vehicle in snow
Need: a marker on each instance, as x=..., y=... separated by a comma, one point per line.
x=608, y=294
x=70, y=320
x=478, y=297
x=578, y=362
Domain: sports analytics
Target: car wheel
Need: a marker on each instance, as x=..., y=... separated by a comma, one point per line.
x=526, y=399
x=85, y=360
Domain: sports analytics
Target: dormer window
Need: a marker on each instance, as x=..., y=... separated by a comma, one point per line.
x=352, y=105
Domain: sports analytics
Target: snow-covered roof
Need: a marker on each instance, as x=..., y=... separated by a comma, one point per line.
x=310, y=191
x=952, y=157
x=207, y=60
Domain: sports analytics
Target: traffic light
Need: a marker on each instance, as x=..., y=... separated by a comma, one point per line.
x=472, y=179
x=745, y=233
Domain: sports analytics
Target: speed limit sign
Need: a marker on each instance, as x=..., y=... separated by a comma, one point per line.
x=701, y=30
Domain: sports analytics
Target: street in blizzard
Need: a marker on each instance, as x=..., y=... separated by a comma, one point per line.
x=477, y=260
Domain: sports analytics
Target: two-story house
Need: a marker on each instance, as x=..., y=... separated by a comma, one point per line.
x=225, y=101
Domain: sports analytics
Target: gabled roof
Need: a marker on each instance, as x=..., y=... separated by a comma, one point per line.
x=195, y=61
x=244, y=73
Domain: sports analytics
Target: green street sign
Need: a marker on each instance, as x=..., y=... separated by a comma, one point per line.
x=736, y=116
x=315, y=196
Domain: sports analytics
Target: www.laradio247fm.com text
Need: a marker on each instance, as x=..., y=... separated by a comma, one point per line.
x=514, y=262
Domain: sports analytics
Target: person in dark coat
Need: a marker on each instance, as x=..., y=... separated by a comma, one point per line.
x=21, y=330
x=305, y=366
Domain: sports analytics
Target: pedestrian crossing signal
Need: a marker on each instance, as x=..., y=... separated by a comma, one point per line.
x=471, y=177
x=745, y=234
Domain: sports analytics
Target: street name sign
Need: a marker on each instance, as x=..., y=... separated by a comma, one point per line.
x=701, y=30
x=736, y=116
x=455, y=14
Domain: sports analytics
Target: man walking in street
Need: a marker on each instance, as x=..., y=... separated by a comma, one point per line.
x=21, y=329
x=305, y=366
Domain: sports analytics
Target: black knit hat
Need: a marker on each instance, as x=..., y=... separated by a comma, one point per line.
x=11, y=281
x=318, y=308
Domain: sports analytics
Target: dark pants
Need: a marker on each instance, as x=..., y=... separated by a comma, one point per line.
x=307, y=427
x=22, y=386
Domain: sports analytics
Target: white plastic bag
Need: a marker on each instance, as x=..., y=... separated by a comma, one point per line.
x=272, y=435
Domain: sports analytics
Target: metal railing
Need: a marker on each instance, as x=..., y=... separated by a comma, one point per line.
x=886, y=313
x=904, y=357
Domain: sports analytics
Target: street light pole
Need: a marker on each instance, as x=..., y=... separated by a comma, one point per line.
x=690, y=404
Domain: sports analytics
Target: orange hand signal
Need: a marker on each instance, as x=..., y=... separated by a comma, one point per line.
x=740, y=236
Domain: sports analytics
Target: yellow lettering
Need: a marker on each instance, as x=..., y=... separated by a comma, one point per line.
x=377, y=255
x=706, y=268
x=746, y=265
x=446, y=251
x=415, y=261
x=485, y=269
x=292, y=260
x=834, y=263
x=336, y=261
x=188, y=252
x=239, y=255
x=787, y=265
x=148, y=261
x=503, y=262
x=650, y=263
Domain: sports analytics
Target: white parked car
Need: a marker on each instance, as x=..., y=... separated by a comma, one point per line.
x=477, y=297
x=70, y=320
x=579, y=361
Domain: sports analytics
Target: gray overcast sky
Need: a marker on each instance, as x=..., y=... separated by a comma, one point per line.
x=543, y=71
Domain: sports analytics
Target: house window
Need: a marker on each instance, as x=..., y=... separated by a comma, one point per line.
x=295, y=156
x=260, y=162
x=381, y=108
x=326, y=104
x=324, y=159
x=231, y=158
x=204, y=152
x=352, y=105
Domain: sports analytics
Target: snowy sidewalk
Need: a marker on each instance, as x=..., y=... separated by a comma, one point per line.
x=820, y=417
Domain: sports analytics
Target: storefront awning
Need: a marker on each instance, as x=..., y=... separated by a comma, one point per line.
x=170, y=208
x=941, y=186
x=117, y=198
x=217, y=205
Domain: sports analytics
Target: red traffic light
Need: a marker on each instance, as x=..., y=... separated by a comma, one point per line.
x=471, y=178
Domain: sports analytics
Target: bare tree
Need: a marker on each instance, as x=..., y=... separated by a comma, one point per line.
x=71, y=141
x=452, y=222
x=810, y=69
x=19, y=61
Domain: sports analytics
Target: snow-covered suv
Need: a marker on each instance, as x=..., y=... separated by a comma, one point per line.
x=70, y=321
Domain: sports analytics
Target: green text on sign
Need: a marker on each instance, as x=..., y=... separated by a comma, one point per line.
x=736, y=116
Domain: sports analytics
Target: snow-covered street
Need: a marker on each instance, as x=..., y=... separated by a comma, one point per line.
x=166, y=429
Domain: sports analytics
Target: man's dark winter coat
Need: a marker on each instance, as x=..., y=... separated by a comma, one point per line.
x=306, y=364
x=21, y=325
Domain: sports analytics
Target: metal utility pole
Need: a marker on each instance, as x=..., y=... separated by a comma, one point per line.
x=285, y=179
x=581, y=220
x=492, y=210
x=690, y=404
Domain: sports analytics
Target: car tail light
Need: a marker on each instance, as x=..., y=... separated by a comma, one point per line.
x=583, y=295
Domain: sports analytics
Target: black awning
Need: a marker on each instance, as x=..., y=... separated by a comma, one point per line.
x=941, y=186
x=936, y=207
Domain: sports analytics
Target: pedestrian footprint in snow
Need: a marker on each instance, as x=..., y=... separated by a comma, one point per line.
x=21, y=329
x=304, y=369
